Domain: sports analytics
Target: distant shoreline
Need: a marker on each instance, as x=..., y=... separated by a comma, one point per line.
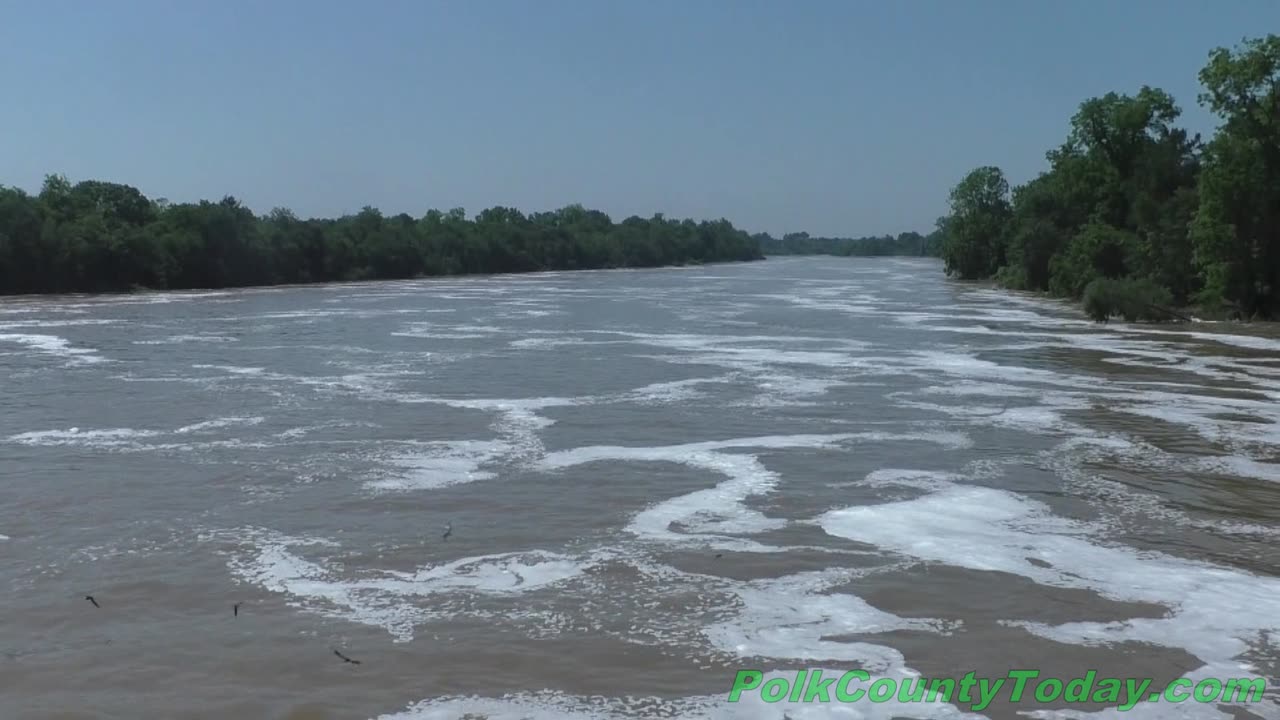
x=104, y=237
x=11, y=297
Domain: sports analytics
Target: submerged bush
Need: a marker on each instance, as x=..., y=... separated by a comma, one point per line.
x=1133, y=300
x=1012, y=278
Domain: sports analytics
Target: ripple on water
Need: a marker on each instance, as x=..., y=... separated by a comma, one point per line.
x=864, y=368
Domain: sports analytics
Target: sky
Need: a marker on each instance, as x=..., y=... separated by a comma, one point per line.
x=836, y=117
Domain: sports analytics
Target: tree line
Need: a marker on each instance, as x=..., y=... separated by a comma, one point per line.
x=1135, y=214
x=801, y=243
x=97, y=236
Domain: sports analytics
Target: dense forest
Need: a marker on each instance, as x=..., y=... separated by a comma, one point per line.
x=99, y=236
x=1134, y=214
x=800, y=243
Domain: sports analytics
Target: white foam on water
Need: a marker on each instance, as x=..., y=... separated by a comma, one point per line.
x=690, y=342
x=727, y=351
x=1035, y=418
x=15, y=324
x=181, y=339
x=531, y=302
x=442, y=464
x=1188, y=709
x=304, y=430
x=774, y=400
x=892, y=477
x=53, y=345
x=492, y=574
x=548, y=343
x=147, y=298
x=428, y=335
x=670, y=392
x=1251, y=342
x=1241, y=467
x=1145, y=353
x=713, y=515
x=1001, y=297
x=714, y=315
x=794, y=386
x=676, y=453
x=1060, y=337
x=319, y=314
x=135, y=440
x=794, y=618
x=232, y=369
x=441, y=331
x=759, y=360
x=767, y=356
x=113, y=437
x=310, y=586
x=1215, y=613
x=1236, y=371
x=369, y=297
x=517, y=424
x=965, y=365
x=181, y=295
x=818, y=303
x=715, y=510
x=218, y=423
x=946, y=439
x=386, y=598
x=552, y=705
x=537, y=343
x=1197, y=413
x=988, y=389
x=35, y=308
x=368, y=384
x=517, y=314
x=831, y=301
x=1169, y=354
x=519, y=421
x=1069, y=460
x=330, y=349
x=4, y=537
x=994, y=315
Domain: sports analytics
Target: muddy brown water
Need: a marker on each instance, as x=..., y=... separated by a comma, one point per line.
x=654, y=479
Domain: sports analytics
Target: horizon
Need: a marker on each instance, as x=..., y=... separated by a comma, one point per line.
x=695, y=112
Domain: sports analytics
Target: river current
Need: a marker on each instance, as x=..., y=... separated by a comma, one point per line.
x=648, y=479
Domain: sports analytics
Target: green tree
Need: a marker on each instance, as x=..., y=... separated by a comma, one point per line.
x=101, y=236
x=974, y=246
x=1236, y=232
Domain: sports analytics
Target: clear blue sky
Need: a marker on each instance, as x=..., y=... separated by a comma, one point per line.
x=845, y=117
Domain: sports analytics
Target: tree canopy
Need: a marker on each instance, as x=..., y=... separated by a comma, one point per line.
x=1129, y=196
x=801, y=243
x=98, y=236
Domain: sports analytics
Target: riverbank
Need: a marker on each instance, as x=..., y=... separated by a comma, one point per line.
x=211, y=291
x=97, y=236
x=1148, y=312
x=1145, y=208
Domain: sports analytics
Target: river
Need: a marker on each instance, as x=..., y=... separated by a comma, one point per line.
x=650, y=478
